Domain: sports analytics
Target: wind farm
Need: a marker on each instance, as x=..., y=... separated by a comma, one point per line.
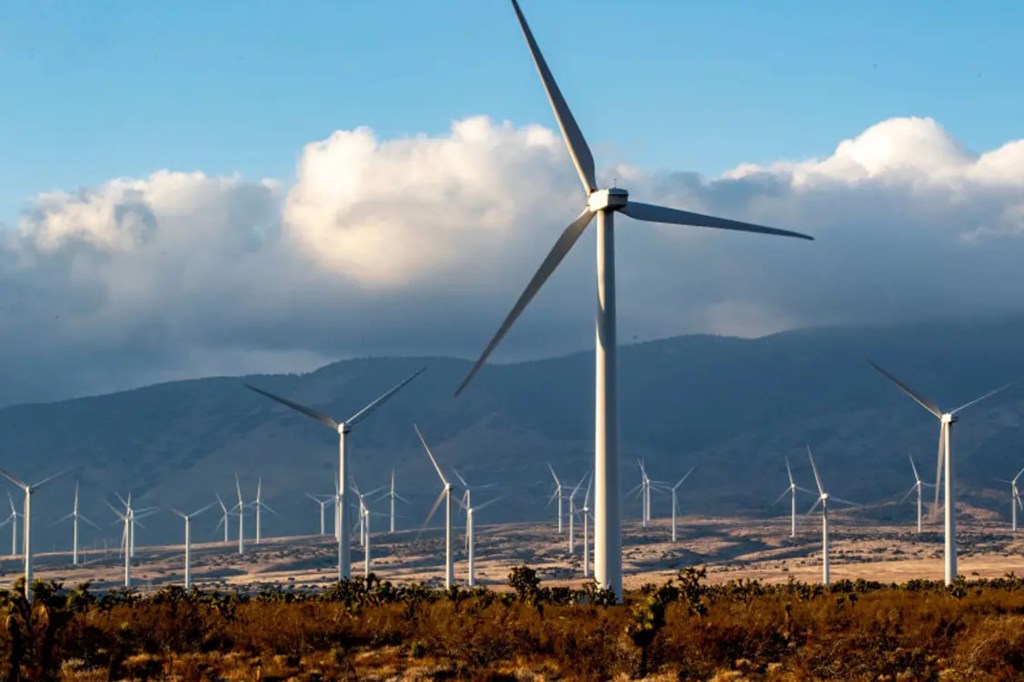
x=183, y=341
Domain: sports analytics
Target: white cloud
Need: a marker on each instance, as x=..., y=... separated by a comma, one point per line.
x=421, y=244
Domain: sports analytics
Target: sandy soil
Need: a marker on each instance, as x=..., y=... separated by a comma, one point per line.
x=728, y=547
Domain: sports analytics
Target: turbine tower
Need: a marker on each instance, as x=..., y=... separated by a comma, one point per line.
x=343, y=429
x=392, y=496
x=823, y=500
x=75, y=516
x=224, y=519
x=586, y=529
x=126, y=518
x=945, y=463
x=259, y=505
x=675, y=500
x=29, y=489
x=470, y=541
x=240, y=507
x=188, y=540
x=918, y=484
x=446, y=495
x=791, y=491
x=572, y=516
x=602, y=204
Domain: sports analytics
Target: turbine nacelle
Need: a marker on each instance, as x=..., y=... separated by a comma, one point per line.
x=344, y=428
x=949, y=418
x=614, y=198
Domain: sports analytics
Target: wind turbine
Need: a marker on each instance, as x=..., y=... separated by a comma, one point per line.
x=1015, y=499
x=791, y=491
x=446, y=495
x=392, y=495
x=602, y=203
x=586, y=530
x=572, y=514
x=241, y=517
x=363, y=510
x=945, y=457
x=470, y=542
x=260, y=505
x=675, y=503
x=918, y=484
x=323, y=501
x=343, y=429
x=225, y=515
x=557, y=493
x=75, y=516
x=13, y=520
x=188, y=540
x=823, y=500
x=29, y=490
x=126, y=535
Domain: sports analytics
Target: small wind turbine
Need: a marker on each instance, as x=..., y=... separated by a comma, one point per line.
x=470, y=542
x=364, y=510
x=1015, y=499
x=945, y=457
x=572, y=517
x=823, y=500
x=675, y=500
x=392, y=496
x=586, y=530
x=342, y=428
x=556, y=494
x=241, y=517
x=126, y=535
x=602, y=203
x=224, y=519
x=791, y=491
x=260, y=505
x=918, y=484
x=188, y=540
x=29, y=490
x=75, y=516
x=13, y=520
x=446, y=496
x=323, y=501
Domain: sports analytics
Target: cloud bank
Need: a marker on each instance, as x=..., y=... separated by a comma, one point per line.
x=420, y=245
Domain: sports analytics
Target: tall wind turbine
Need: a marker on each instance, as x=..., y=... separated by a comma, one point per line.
x=126, y=535
x=557, y=494
x=392, y=496
x=75, y=516
x=791, y=491
x=470, y=542
x=29, y=490
x=602, y=203
x=224, y=519
x=259, y=505
x=446, y=496
x=343, y=429
x=188, y=540
x=323, y=501
x=240, y=507
x=945, y=457
x=823, y=500
x=918, y=484
x=1015, y=499
x=572, y=518
x=675, y=499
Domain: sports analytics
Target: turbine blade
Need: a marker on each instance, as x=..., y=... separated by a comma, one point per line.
x=553, y=474
x=486, y=504
x=433, y=510
x=909, y=493
x=459, y=476
x=914, y=467
x=55, y=476
x=842, y=501
x=814, y=506
x=565, y=242
x=986, y=396
x=779, y=498
x=817, y=479
x=199, y=511
x=662, y=214
x=917, y=397
x=805, y=490
x=354, y=419
x=89, y=522
x=578, y=149
x=12, y=478
x=1019, y=473
x=789, y=472
x=430, y=454
x=309, y=412
x=683, y=479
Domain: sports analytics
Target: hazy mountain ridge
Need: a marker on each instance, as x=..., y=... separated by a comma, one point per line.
x=732, y=407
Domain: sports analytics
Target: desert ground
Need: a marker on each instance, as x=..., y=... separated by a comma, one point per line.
x=728, y=547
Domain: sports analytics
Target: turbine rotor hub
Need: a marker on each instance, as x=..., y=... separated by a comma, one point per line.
x=612, y=199
x=949, y=418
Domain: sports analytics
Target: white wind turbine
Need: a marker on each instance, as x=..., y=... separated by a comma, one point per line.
x=557, y=494
x=918, y=484
x=645, y=494
x=343, y=429
x=586, y=530
x=572, y=517
x=13, y=520
x=675, y=500
x=259, y=505
x=323, y=501
x=75, y=516
x=225, y=519
x=790, y=490
x=188, y=540
x=470, y=541
x=602, y=203
x=823, y=500
x=29, y=490
x=446, y=496
x=392, y=496
x=127, y=520
x=240, y=507
x=945, y=457
x=364, y=510
x=1015, y=499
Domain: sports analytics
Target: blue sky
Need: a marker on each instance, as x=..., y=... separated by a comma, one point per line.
x=99, y=90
